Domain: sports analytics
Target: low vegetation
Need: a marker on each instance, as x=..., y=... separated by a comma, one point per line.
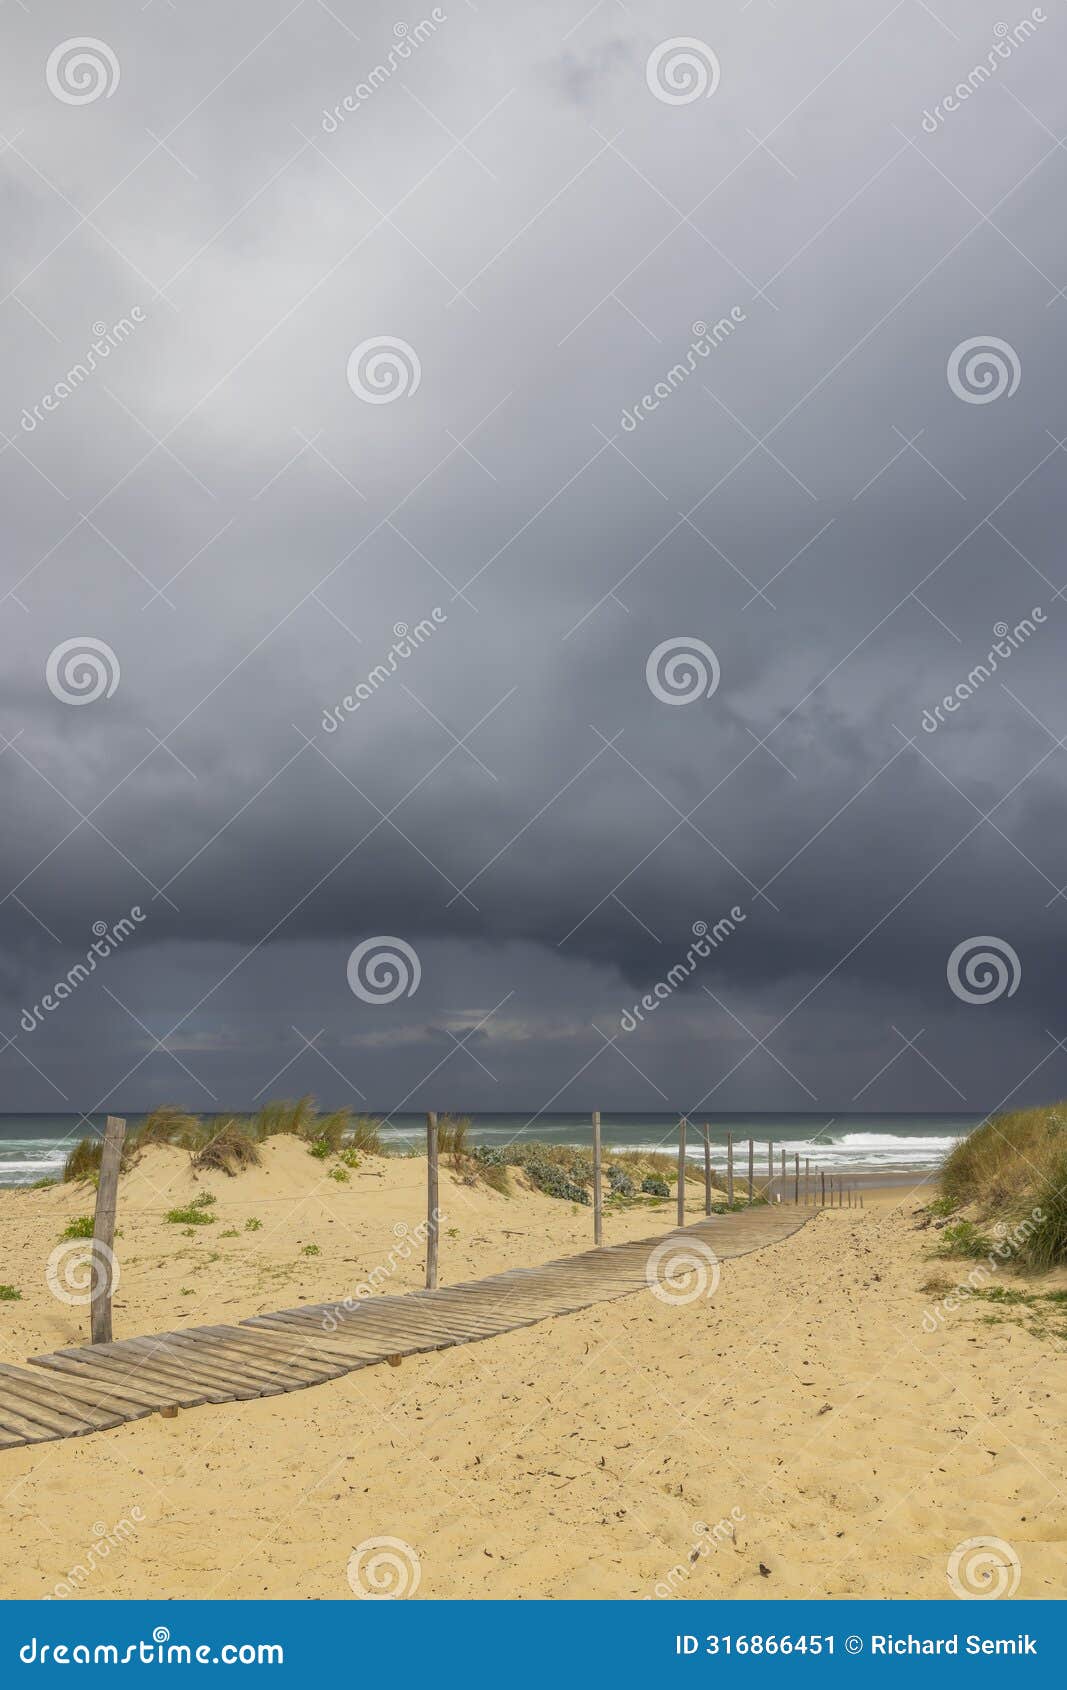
x=10, y=1294
x=228, y=1144
x=1011, y=1169
x=194, y=1213
x=81, y=1227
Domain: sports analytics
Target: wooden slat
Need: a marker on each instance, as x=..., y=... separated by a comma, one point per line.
x=86, y=1389
x=38, y=1399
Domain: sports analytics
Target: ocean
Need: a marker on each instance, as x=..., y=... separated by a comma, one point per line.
x=881, y=1147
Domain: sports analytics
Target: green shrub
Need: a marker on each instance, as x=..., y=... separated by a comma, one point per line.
x=964, y=1239
x=80, y=1228
x=340, y=1175
x=654, y=1186
x=193, y=1214
x=253, y=1225
x=310, y=1250
x=9, y=1294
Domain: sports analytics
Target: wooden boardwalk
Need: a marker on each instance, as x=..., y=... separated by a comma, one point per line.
x=82, y=1390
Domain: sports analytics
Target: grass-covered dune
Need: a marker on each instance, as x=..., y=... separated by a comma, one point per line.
x=1013, y=1169
x=233, y=1143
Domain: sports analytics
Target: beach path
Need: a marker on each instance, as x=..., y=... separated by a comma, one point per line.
x=89, y=1389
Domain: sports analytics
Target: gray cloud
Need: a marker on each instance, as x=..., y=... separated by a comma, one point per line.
x=811, y=499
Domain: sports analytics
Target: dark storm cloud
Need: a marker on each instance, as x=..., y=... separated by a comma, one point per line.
x=808, y=497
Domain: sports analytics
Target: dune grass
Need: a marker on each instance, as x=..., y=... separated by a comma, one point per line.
x=231, y=1143
x=1014, y=1168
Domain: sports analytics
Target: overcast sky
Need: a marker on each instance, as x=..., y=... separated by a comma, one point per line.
x=536, y=209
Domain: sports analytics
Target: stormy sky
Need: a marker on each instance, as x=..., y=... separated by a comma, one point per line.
x=410, y=323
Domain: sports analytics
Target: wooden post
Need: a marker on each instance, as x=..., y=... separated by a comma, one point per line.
x=751, y=1169
x=807, y=1181
x=822, y=1188
x=796, y=1178
x=730, y=1169
x=107, y=1192
x=598, y=1217
x=770, y=1173
x=681, y=1171
x=431, y=1202
x=707, y=1169
x=782, y=1152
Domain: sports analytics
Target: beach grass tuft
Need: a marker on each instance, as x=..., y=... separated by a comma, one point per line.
x=1012, y=1168
x=230, y=1144
x=230, y=1148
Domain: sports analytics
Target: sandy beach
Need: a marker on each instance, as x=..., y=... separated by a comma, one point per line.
x=802, y=1432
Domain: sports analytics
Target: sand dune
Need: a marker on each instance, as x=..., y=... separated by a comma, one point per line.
x=796, y=1434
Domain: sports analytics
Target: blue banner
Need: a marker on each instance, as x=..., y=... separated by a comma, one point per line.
x=544, y=1645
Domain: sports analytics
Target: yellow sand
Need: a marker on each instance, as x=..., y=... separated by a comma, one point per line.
x=797, y=1434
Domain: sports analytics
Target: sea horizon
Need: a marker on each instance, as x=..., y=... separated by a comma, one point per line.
x=34, y=1146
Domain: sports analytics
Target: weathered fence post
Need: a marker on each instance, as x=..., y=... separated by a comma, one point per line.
x=598, y=1217
x=707, y=1169
x=751, y=1169
x=681, y=1171
x=807, y=1181
x=770, y=1173
x=796, y=1178
x=730, y=1169
x=431, y=1202
x=102, y=1260
x=822, y=1188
